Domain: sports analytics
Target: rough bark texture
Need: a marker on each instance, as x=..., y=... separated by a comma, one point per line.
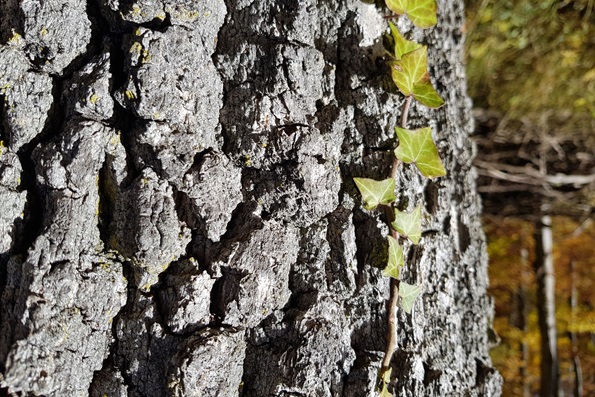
x=178, y=216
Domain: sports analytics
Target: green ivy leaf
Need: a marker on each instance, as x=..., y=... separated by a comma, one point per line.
x=418, y=147
x=385, y=381
x=408, y=224
x=402, y=45
x=408, y=293
x=384, y=392
x=376, y=192
x=411, y=76
x=386, y=376
x=411, y=69
x=397, y=6
x=396, y=258
x=421, y=12
x=426, y=94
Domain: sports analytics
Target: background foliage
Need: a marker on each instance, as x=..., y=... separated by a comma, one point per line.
x=533, y=62
x=509, y=274
x=533, y=58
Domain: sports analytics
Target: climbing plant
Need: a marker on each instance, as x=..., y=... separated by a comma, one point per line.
x=408, y=63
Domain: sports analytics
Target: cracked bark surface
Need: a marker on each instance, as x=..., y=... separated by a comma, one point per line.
x=178, y=216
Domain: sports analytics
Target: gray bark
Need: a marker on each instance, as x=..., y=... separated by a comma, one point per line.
x=178, y=216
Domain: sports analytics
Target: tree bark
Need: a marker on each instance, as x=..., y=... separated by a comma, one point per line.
x=179, y=217
x=546, y=308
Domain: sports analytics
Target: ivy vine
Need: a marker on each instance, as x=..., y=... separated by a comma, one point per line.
x=409, y=71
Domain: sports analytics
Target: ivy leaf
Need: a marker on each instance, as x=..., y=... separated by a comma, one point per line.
x=396, y=258
x=384, y=392
x=397, y=6
x=385, y=381
x=426, y=94
x=402, y=45
x=421, y=12
x=376, y=192
x=410, y=73
x=411, y=69
x=418, y=147
x=408, y=224
x=386, y=376
x=408, y=293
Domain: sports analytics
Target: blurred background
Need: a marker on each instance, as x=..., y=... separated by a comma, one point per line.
x=531, y=74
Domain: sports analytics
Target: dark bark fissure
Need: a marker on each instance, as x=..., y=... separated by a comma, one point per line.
x=106, y=204
x=33, y=221
x=3, y=133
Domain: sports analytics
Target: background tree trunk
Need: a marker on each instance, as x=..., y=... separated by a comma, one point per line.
x=546, y=307
x=577, y=388
x=519, y=319
x=178, y=214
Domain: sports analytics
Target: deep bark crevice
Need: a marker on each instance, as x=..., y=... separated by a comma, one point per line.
x=131, y=290
x=105, y=207
x=3, y=127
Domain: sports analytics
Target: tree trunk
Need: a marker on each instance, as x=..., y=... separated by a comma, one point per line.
x=179, y=217
x=519, y=320
x=577, y=390
x=546, y=308
x=525, y=313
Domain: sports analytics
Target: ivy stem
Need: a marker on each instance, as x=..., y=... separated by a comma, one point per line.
x=405, y=112
x=391, y=335
x=391, y=343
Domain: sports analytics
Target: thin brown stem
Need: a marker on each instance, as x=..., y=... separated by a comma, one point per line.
x=405, y=113
x=391, y=337
x=391, y=343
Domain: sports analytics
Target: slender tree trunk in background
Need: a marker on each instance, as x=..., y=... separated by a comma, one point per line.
x=178, y=214
x=518, y=319
x=576, y=362
x=524, y=311
x=546, y=307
